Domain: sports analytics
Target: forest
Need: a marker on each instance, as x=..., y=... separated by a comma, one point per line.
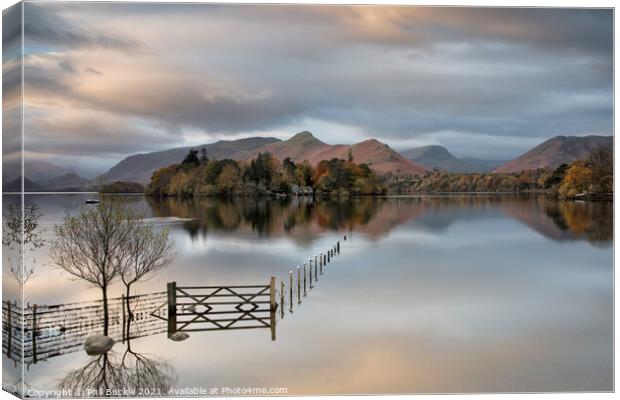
x=197, y=175
x=592, y=176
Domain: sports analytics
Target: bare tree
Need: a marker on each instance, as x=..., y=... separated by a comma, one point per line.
x=131, y=371
x=144, y=254
x=21, y=235
x=91, y=243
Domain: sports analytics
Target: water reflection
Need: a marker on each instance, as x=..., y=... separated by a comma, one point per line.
x=377, y=216
x=465, y=294
x=120, y=374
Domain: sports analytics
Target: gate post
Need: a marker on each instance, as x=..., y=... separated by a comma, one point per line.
x=172, y=308
x=272, y=307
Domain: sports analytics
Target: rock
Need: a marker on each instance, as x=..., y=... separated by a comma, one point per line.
x=96, y=345
x=178, y=336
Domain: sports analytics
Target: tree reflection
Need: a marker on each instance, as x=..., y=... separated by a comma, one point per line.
x=127, y=374
x=588, y=220
x=265, y=216
x=303, y=218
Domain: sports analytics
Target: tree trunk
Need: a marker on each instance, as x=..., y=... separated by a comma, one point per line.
x=128, y=310
x=104, y=290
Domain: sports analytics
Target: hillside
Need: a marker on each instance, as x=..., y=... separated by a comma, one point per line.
x=140, y=167
x=556, y=151
x=68, y=181
x=16, y=186
x=304, y=146
x=438, y=157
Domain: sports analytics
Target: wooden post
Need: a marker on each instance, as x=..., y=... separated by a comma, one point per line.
x=338, y=246
x=324, y=259
x=281, y=299
x=310, y=272
x=290, y=278
x=172, y=308
x=316, y=273
x=34, y=333
x=328, y=257
x=124, y=322
x=298, y=285
x=345, y=238
x=272, y=307
x=9, y=322
x=305, y=284
x=321, y=265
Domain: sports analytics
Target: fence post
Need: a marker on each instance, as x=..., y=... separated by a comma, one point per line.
x=305, y=284
x=172, y=308
x=310, y=272
x=34, y=333
x=338, y=247
x=9, y=322
x=290, y=278
x=298, y=285
x=316, y=269
x=328, y=257
x=282, y=299
x=272, y=304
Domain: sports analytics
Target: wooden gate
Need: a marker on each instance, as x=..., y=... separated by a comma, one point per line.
x=210, y=308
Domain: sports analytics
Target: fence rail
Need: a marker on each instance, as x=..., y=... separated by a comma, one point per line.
x=53, y=330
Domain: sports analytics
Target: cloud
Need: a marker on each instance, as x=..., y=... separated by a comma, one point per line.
x=44, y=26
x=400, y=74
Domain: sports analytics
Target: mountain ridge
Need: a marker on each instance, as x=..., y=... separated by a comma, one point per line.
x=556, y=151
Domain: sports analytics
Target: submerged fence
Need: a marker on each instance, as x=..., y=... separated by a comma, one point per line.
x=39, y=332
x=47, y=331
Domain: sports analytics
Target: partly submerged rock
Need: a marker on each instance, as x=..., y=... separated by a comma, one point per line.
x=178, y=336
x=96, y=345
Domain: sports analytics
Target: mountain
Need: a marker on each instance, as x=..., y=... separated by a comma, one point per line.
x=69, y=181
x=40, y=176
x=35, y=170
x=16, y=186
x=556, y=151
x=304, y=146
x=437, y=157
x=140, y=167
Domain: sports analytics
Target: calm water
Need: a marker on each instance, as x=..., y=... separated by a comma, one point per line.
x=430, y=294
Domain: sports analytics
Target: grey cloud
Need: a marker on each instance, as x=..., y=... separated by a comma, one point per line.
x=397, y=74
x=43, y=25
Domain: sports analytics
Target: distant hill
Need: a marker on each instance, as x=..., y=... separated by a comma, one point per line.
x=35, y=170
x=304, y=146
x=16, y=186
x=438, y=157
x=40, y=176
x=140, y=167
x=556, y=151
x=69, y=181
x=435, y=156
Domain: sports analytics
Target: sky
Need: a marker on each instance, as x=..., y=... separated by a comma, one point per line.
x=107, y=80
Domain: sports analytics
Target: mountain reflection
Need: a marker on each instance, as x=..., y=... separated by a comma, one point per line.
x=115, y=374
x=302, y=218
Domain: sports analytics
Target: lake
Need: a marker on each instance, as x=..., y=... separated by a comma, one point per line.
x=430, y=294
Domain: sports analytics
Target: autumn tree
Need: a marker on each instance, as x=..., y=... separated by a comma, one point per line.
x=577, y=179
